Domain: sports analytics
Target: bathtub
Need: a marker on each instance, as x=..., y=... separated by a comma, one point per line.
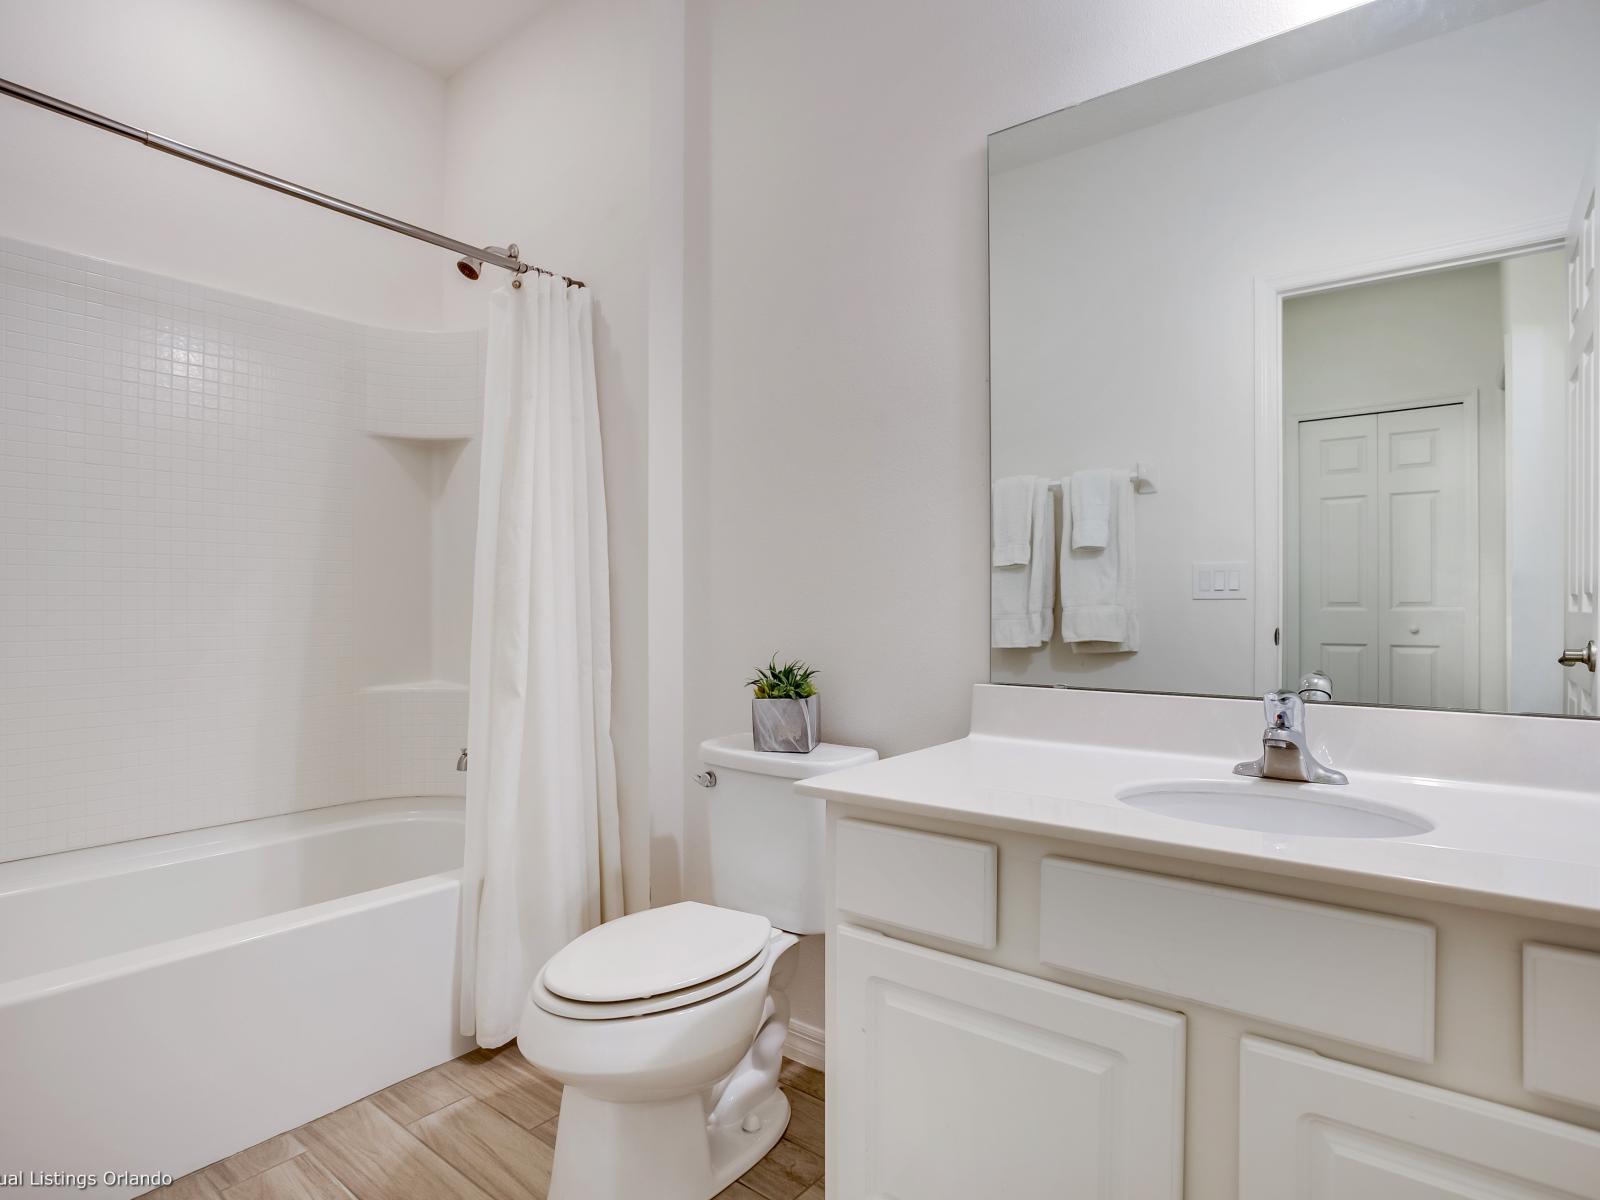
x=167, y=1002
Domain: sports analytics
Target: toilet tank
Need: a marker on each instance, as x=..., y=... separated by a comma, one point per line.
x=768, y=842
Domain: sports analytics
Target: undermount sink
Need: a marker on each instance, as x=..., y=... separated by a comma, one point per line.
x=1299, y=809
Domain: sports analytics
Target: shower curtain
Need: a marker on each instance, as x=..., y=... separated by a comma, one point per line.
x=543, y=857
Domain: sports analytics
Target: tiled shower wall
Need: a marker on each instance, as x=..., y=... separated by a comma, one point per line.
x=177, y=552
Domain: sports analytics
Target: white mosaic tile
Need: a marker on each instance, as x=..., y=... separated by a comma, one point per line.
x=412, y=736
x=177, y=613
x=424, y=385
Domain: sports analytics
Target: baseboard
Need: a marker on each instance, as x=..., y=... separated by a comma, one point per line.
x=805, y=1045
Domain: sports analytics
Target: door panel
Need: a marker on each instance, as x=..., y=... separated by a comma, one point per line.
x=1414, y=674
x=1312, y=1128
x=1413, y=530
x=1338, y=553
x=1428, y=567
x=952, y=1079
x=1388, y=556
x=1581, y=623
x=1344, y=522
x=1353, y=668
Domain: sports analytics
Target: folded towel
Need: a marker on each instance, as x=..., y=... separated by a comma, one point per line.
x=1011, y=513
x=1091, y=508
x=1097, y=586
x=1022, y=596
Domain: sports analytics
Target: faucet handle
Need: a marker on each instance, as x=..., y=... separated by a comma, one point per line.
x=1285, y=710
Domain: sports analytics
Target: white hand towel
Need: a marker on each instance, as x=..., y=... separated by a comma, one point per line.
x=1091, y=508
x=1098, y=586
x=1022, y=596
x=1011, y=512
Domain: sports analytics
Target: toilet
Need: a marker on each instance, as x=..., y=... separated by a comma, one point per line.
x=667, y=1026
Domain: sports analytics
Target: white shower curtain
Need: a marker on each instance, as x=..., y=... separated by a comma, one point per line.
x=543, y=857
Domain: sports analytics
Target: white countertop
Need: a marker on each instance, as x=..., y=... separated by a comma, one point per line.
x=1521, y=847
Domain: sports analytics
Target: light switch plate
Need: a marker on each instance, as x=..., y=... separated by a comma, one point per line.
x=1222, y=581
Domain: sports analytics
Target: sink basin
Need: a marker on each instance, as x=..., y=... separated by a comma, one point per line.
x=1305, y=810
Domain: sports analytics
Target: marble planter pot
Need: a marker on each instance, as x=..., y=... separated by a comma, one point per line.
x=784, y=726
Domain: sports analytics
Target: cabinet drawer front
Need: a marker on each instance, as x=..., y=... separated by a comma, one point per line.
x=955, y=1080
x=1561, y=1023
x=920, y=882
x=1312, y=1126
x=1356, y=976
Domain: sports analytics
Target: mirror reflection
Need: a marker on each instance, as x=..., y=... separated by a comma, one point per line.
x=1321, y=417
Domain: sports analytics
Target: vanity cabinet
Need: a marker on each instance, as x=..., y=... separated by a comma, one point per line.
x=1051, y=1025
x=951, y=1080
x=1313, y=1126
x=1361, y=977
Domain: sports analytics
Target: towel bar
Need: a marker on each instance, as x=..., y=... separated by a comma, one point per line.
x=1142, y=476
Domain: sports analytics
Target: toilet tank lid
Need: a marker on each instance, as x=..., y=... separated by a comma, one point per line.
x=736, y=753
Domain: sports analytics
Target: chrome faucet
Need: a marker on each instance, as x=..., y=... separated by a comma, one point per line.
x=1284, y=754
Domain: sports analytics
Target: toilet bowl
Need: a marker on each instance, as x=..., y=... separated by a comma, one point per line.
x=666, y=1027
x=665, y=1097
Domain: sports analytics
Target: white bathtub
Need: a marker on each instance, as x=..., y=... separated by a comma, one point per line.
x=167, y=1002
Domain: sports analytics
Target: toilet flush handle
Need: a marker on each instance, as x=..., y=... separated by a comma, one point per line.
x=706, y=779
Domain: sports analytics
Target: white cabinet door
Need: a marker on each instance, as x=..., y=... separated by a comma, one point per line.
x=1311, y=1128
x=954, y=1080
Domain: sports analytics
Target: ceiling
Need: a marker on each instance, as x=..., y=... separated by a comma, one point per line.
x=442, y=35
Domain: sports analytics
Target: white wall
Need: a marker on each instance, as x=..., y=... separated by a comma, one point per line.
x=548, y=144
x=1416, y=338
x=836, y=406
x=1534, y=301
x=1124, y=280
x=1412, y=338
x=263, y=82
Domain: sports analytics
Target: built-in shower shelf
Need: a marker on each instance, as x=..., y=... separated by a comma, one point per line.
x=423, y=386
x=439, y=438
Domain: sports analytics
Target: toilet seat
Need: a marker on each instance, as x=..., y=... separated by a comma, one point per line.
x=653, y=961
x=582, y=1010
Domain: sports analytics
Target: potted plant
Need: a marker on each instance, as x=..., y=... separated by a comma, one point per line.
x=783, y=715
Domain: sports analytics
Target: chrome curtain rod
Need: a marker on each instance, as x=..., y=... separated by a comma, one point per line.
x=489, y=254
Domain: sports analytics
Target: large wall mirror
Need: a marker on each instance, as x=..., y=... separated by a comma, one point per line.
x=1293, y=379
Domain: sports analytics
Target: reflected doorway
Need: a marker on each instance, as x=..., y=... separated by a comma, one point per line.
x=1424, y=486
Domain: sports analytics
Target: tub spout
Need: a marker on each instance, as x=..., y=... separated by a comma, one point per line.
x=461, y=763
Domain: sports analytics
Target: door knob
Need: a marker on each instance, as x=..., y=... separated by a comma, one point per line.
x=1584, y=657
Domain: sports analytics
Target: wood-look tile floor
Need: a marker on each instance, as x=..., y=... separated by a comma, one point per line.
x=482, y=1127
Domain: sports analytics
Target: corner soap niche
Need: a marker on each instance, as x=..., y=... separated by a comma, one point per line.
x=423, y=386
